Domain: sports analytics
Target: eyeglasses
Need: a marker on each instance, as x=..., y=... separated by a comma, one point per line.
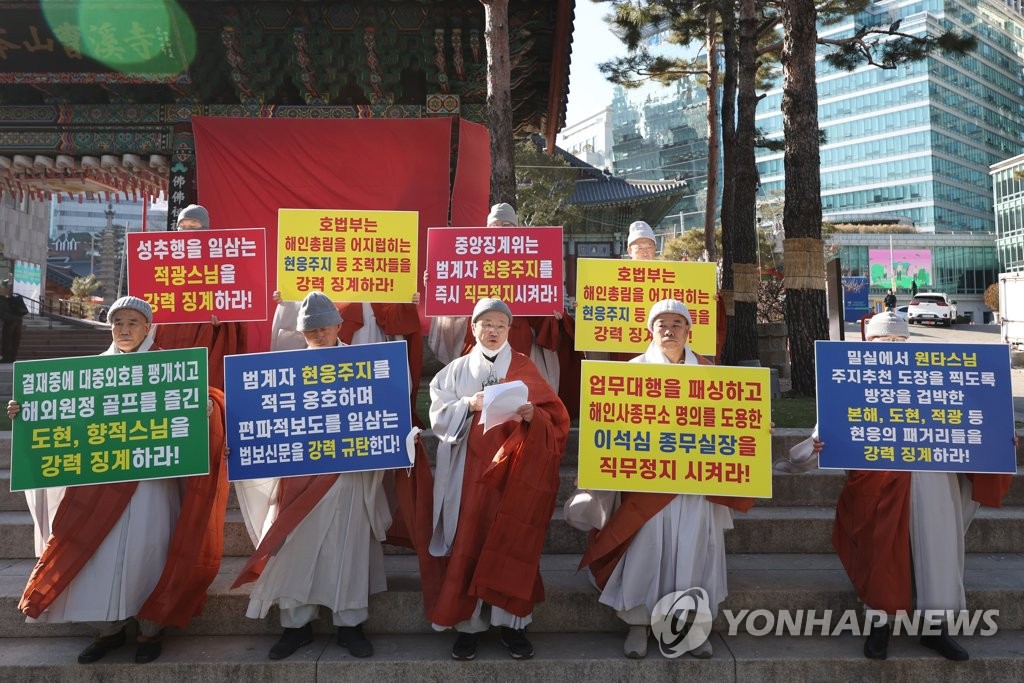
x=493, y=327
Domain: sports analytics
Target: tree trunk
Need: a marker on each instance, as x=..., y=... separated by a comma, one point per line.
x=728, y=123
x=712, y=108
x=499, y=102
x=804, y=256
x=745, y=272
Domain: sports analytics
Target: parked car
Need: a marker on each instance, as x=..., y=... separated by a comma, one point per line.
x=932, y=307
x=901, y=312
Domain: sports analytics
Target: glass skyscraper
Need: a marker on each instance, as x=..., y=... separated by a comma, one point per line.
x=1008, y=188
x=917, y=141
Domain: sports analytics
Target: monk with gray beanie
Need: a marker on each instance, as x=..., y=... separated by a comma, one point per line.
x=321, y=535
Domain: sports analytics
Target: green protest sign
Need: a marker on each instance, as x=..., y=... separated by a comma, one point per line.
x=101, y=419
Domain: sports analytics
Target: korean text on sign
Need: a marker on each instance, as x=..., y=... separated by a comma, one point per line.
x=192, y=275
x=347, y=255
x=911, y=406
x=520, y=266
x=613, y=297
x=317, y=411
x=101, y=419
x=697, y=429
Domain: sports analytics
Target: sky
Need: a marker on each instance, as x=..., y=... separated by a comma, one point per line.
x=592, y=43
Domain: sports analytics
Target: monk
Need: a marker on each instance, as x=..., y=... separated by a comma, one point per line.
x=220, y=339
x=647, y=545
x=362, y=323
x=143, y=550
x=900, y=535
x=318, y=537
x=494, y=492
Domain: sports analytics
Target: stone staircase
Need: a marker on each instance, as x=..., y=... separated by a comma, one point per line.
x=57, y=337
x=780, y=557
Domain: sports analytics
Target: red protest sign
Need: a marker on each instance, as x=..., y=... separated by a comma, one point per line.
x=520, y=266
x=191, y=275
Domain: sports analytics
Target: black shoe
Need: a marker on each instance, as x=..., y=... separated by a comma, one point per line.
x=99, y=647
x=877, y=644
x=291, y=640
x=515, y=640
x=355, y=641
x=464, y=648
x=148, y=648
x=946, y=646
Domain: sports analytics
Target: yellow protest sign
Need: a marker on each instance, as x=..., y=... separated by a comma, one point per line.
x=700, y=429
x=347, y=255
x=613, y=297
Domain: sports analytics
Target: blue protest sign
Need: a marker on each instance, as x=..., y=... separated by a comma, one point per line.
x=317, y=411
x=909, y=406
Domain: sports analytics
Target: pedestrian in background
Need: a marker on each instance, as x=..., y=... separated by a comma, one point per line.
x=12, y=310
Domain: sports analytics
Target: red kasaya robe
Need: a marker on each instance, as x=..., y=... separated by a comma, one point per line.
x=220, y=340
x=87, y=514
x=871, y=534
x=509, y=485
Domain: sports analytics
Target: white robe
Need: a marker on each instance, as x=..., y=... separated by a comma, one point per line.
x=116, y=581
x=333, y=557
x=681, y=547
x=447, y=337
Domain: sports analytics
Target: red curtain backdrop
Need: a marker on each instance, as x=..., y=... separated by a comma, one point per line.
x=470, y=198
x=249, y=168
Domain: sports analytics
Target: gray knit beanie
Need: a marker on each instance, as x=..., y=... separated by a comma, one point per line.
x=488, y=305
x=502, y=212
x=317, y=311
x=131, y=302
x=195, y=212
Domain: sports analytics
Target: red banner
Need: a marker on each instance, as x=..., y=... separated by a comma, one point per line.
x=190, y=276
x=520, y=266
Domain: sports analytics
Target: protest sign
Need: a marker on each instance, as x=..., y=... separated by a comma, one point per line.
x=347, y=255
x=520, y=266
x=101, y=419
x=698, y=429
x=911, y=406
x=613, y=298
x=317, y=411
x=192, y=275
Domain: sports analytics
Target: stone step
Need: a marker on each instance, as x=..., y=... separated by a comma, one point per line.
x=818, y=487
x=805, y=529
x=770, y=582
x=560, y=657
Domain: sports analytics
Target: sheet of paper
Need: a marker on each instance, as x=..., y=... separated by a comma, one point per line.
x=501, y=402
